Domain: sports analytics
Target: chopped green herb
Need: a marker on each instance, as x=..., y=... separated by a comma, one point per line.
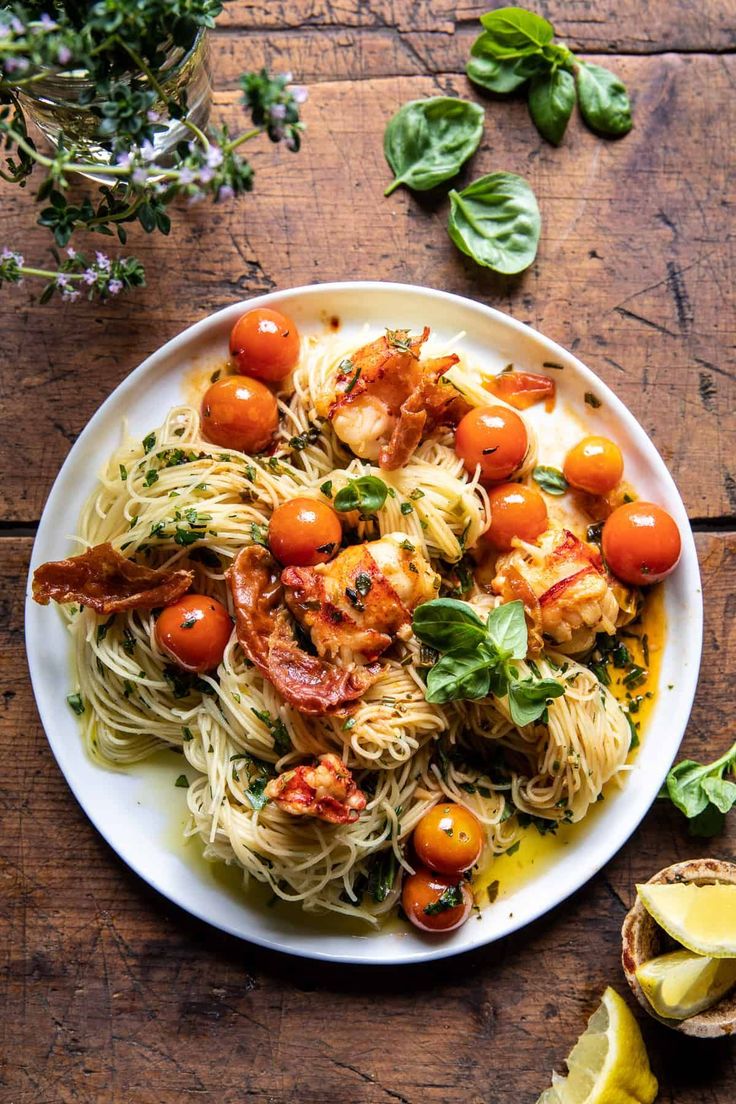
x=149, y=442
x=448, y=899
x=151, y=477
x=406, y=508
x=123, y=472
x=326, y=488
x=182, y=782
x=76, y=703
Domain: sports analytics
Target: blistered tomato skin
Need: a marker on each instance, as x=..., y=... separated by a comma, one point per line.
x=494, y=437
x=304, y=532
x=448, y=838
x=265, y=344
x=516, y=511
x=595, y=465
x=239, y=413
x=194, y=632
x=424, y=890
x=641, y=543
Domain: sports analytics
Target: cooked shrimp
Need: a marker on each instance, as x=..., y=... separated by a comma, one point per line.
x=571, y=594
x=354, y=606
x=326, y=790
x=386, y=400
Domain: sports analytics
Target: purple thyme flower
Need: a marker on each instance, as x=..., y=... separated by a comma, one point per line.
x=103, y=261
x=89, y=276
x=299, y=93
x=115, y=286
x=214, y=157
x=64, y=55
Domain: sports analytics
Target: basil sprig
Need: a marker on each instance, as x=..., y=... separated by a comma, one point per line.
x=478, y=657
x=703, y=792
x=367, y=494
x=428, y=141
x=496, y=221
x=516, y=47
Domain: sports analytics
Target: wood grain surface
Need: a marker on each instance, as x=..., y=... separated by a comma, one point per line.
x=110, y=994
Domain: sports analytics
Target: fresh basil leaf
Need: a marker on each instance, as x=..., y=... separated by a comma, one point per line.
x=507, y=630
x=448, y=625
x=515, y=31
x=684, y=787
x=604, y=101
x=367, y=493
x=428, y=141
x=721, y=793
x=496, y=221
x=550, y=480
x=459, y=676
x=500, y=75
x=551, y=100
x=528, y=698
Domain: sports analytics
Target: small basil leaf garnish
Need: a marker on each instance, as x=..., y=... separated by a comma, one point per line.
x=550, y=480
x=428, y=141
x=496, y=221
x=551, y=100
x=367, y=494
x=604, y=102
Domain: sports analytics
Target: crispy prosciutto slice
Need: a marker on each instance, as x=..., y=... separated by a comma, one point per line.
x=326, y=790
x=310, y=683
x=386, y=399
x=107, y=582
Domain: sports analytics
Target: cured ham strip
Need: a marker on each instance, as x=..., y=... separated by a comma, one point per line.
x=432, y=403
x=105, y=581
x=309, y=683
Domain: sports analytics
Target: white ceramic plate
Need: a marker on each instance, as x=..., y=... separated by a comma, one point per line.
x=140, y=813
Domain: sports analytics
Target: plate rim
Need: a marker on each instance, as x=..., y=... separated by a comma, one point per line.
x=422, y=952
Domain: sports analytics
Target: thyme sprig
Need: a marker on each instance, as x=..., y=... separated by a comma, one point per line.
x=121, y=46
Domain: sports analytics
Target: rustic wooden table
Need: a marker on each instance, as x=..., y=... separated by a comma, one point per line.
x=111, y=994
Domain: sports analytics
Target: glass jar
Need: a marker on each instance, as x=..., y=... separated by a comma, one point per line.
x=52, y=103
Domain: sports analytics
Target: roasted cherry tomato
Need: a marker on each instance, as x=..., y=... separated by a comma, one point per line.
x=265, y=343
x=516, y=511
x=304, y=532
x=436, y=902
x=448, y=838
x=641, y=543
x=594, y=465
x=493, y=437
x=522, y=389
x=194, y=632
x=239, y=413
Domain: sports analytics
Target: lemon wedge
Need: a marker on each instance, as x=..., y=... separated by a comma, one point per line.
x=608, y=1064
x=700, y=917
x=681, y=984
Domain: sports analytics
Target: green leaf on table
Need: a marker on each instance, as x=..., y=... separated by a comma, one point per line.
x=604, y=101
x=447, y=624
x=428, y=141
x=496, y=221
x=500, y=75
x=551, y=100
x=529, y=698
x=515, y=32
x=702, y=792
